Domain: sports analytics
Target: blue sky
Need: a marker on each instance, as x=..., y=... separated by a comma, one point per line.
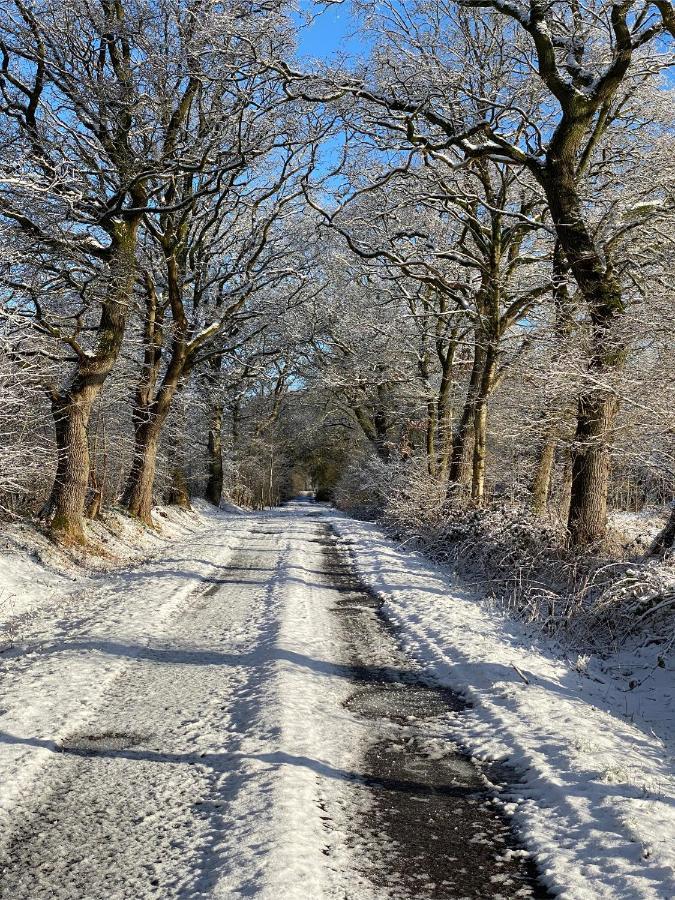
x=333, y=31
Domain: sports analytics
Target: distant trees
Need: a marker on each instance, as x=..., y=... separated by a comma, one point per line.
x=209, y=258
x=466, y=254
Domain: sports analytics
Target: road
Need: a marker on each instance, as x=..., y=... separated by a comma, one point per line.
x=268, y=739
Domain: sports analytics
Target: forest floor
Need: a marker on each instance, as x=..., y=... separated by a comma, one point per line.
x=287, y=705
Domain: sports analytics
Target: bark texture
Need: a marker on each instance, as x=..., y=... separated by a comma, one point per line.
x=179, y=494
x=460, y=473
x=150, y=421
x=480, y=425
x=72, y=406
x=541, y=483
x=587, y=517
x=597, y=407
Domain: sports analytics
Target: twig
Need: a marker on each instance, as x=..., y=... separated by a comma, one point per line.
x=526, y=680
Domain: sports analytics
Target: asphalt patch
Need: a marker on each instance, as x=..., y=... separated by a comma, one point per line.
x=93, y=744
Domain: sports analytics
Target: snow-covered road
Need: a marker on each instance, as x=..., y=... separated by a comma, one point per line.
x=234, y=718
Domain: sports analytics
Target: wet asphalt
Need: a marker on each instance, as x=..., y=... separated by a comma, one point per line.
x=430, y=821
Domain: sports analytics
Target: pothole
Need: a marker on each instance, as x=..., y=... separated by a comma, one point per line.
x=445, y=838
x=104, y=742
x=404, y=702
x=404, y=765
x=214, y=586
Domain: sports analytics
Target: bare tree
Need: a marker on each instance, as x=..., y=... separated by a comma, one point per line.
x=98, y=104
x=466, y=247
x=208, y=254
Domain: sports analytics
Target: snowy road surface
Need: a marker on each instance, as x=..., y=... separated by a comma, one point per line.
x=237, y=719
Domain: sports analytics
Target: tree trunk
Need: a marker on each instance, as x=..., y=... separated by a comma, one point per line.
x=150, y=412
x=666, y=538
x=444, y=422
x=138, y=491
x=375, y=429
x=66, y=505
x=479, y=452
x=431, y=423
x=235, y=410
x=72, y=407
x=95, y=500
x=587, y=518
x=381, y=421
x=457, y=475
x=214, y=485
x=95, y=491
x=153, y=406
x=149, y=422
x=179, y=494
x=59, y=407
x=480, y=426
x=431, y=438
x=565, y=487
x=601, y=289
x=541, y=483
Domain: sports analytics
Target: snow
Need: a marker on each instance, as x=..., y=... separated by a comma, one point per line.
x=636, y=531
x=67, y=636
x=597, y=802
x=199, y=694
x=33, y=569
x=214, y=652
x=290, y=759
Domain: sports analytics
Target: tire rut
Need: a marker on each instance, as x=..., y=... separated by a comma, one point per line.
x=430, y=819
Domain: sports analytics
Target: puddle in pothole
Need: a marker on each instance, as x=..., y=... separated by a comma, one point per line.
x=104, y=742
x=352, y=602
x=431, y=827
x=402, y=702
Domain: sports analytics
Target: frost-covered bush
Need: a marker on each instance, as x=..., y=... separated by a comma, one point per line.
x=400, y=493
x=518, y=560
x=632, y=601
x=527, y=568
x=363, y=489
x=26, y=451
x=415, y=502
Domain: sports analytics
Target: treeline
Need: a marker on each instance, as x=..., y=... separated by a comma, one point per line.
x=225, y=272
